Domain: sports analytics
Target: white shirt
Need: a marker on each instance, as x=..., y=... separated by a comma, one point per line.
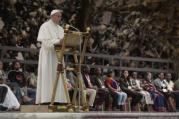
x=10, y=100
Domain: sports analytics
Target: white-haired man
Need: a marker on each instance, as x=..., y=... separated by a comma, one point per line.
x=50, y=34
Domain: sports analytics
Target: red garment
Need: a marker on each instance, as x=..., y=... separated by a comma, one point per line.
x=110, y=81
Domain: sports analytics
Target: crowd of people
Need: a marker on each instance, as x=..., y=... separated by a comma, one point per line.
x=131, y=91
x=19, y=87
x=124, y=34
x=20, y=21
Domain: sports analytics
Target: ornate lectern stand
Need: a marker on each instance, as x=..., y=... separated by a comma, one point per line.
x=72, y=40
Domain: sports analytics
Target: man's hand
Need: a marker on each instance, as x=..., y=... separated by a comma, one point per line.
x=60, y=67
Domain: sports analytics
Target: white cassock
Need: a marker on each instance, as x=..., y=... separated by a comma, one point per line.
x=49, y=34
x=10, y=100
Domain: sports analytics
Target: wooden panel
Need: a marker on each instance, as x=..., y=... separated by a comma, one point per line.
x=34, y=108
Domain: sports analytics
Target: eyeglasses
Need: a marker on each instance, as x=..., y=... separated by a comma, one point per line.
x=58, y=15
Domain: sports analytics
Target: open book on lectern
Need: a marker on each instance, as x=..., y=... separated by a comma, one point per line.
x=73, y=38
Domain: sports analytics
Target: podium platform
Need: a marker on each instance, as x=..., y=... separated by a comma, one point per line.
x=42, y=108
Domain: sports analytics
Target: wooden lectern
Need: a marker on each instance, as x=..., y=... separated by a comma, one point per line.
x=72, y=40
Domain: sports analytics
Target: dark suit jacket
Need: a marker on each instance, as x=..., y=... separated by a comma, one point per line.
x=96, y=82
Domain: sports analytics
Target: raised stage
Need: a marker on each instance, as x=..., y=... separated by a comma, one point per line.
x=90, y=115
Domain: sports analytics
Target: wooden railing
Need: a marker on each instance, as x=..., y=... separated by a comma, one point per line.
x=105, y=61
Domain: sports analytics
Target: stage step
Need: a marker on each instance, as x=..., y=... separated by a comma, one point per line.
x=34, y=108
x=43, y=108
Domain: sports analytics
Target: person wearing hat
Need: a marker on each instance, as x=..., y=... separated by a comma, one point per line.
x=50, y=34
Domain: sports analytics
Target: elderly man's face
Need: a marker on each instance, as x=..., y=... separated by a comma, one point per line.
x=56, y=18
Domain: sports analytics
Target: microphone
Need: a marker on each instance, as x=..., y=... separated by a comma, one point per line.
x=68, y=26
x=77, y=31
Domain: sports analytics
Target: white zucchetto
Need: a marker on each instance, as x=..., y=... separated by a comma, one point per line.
x=55, y=11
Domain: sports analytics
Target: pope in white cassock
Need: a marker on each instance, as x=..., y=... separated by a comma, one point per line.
x=50, y=33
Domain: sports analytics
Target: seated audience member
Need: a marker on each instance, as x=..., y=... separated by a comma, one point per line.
x=19, y=85
x=32, y=80
x=176, y=91
x=165, y=88
x=73, y=89
x=2, y=72
x=126, y=86
x=158, y=97
x=119, y=97
x=136, y=85
x=8, y=100
x=90, y=89
x=171, y=90
x=102, y=92
x=71, y=84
